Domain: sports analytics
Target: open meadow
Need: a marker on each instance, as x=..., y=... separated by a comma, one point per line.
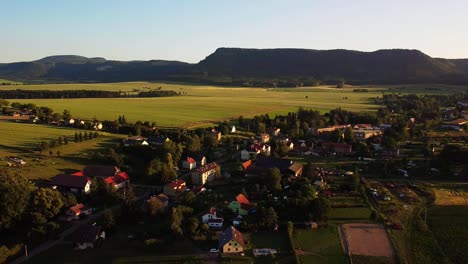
x=203, y=104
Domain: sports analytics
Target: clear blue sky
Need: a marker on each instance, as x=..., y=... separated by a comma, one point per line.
x=191, y=30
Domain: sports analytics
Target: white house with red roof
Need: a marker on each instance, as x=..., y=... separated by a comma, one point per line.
x=189, y=163
x=212, y=219
x=120, y=180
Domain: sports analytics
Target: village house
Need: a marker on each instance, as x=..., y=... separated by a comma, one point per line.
x=75, y=183
x=241, y=205
x=118, y=181
x=135, y=141
x=189, y=163
x=74, y=212
x=286, y=166
x=87, y=236
x=246, y=165
x=212, y=219
x=245, y=155
x=361, y=134
x=322, y=130
x=204, y=174
x=265, y=138
x=161, y=198
x=96, y=125
x=111, y=175
x=174, y=188
x=157, y=140
x=337, y=148
x=231, y=241
x=274, y=131
x=216, y=134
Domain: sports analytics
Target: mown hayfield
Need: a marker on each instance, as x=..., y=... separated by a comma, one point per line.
x=204, y=104
x=450, y=196
x=320, y=245
x=25, y=136
x=449, y=225
x=200, y=104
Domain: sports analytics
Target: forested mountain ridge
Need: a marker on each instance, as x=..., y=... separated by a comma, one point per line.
x=247, y=66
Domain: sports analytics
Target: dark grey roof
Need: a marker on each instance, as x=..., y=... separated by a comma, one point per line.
x=70, y=181
x=264, y=162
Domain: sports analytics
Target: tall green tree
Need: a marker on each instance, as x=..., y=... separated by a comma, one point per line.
x=273, y=180
x=15, y=193
x=46, y=202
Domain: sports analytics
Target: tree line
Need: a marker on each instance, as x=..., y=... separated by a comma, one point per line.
x=49, y=94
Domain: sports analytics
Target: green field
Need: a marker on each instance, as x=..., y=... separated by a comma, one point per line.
x=202, y=104
x=349, y=213
x=319, y=245
x=21, y=137
x=449, y=225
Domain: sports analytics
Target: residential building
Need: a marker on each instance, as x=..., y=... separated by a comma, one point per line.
x=86, y=236
x=231, y=241
x=74, y=212
x=189, y=163
x=241, y=205
x=174, y=188
x=204, y=174
x=74, y=183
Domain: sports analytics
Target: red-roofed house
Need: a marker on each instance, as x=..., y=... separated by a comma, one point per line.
x=204, y=174
x=71, y=183
x=120, y=180
x=231, y=241
x=212, y=219
x=79, y=209
x=240, y=205
x=175, y=188
x=189, y=163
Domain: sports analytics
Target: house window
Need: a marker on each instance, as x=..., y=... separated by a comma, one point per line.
x=229, y=244
x=235, y=244
x=237, y=249
x=229, y=249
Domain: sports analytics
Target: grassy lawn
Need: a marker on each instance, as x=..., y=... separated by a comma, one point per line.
x=23, y=138
x=449, y=225
x=349, y=214
x=319, y=245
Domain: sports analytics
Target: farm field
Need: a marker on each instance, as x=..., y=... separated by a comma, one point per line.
x=203, y=105
x=450, y=227
x=24, y=137
x=319, y=245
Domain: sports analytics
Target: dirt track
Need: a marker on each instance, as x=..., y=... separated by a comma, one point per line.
x=367, y=240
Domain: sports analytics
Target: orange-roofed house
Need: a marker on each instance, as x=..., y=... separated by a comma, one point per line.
x=189, y=163
x=246, y=165
x=175, y=188
x=79, y=209
x=241, y=205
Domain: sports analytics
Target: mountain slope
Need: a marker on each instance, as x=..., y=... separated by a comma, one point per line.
x=264, y=66
x=378, y=66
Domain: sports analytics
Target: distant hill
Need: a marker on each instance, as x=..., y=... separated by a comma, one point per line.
x=385, y=66
x=254, y=67
x=78, y=68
